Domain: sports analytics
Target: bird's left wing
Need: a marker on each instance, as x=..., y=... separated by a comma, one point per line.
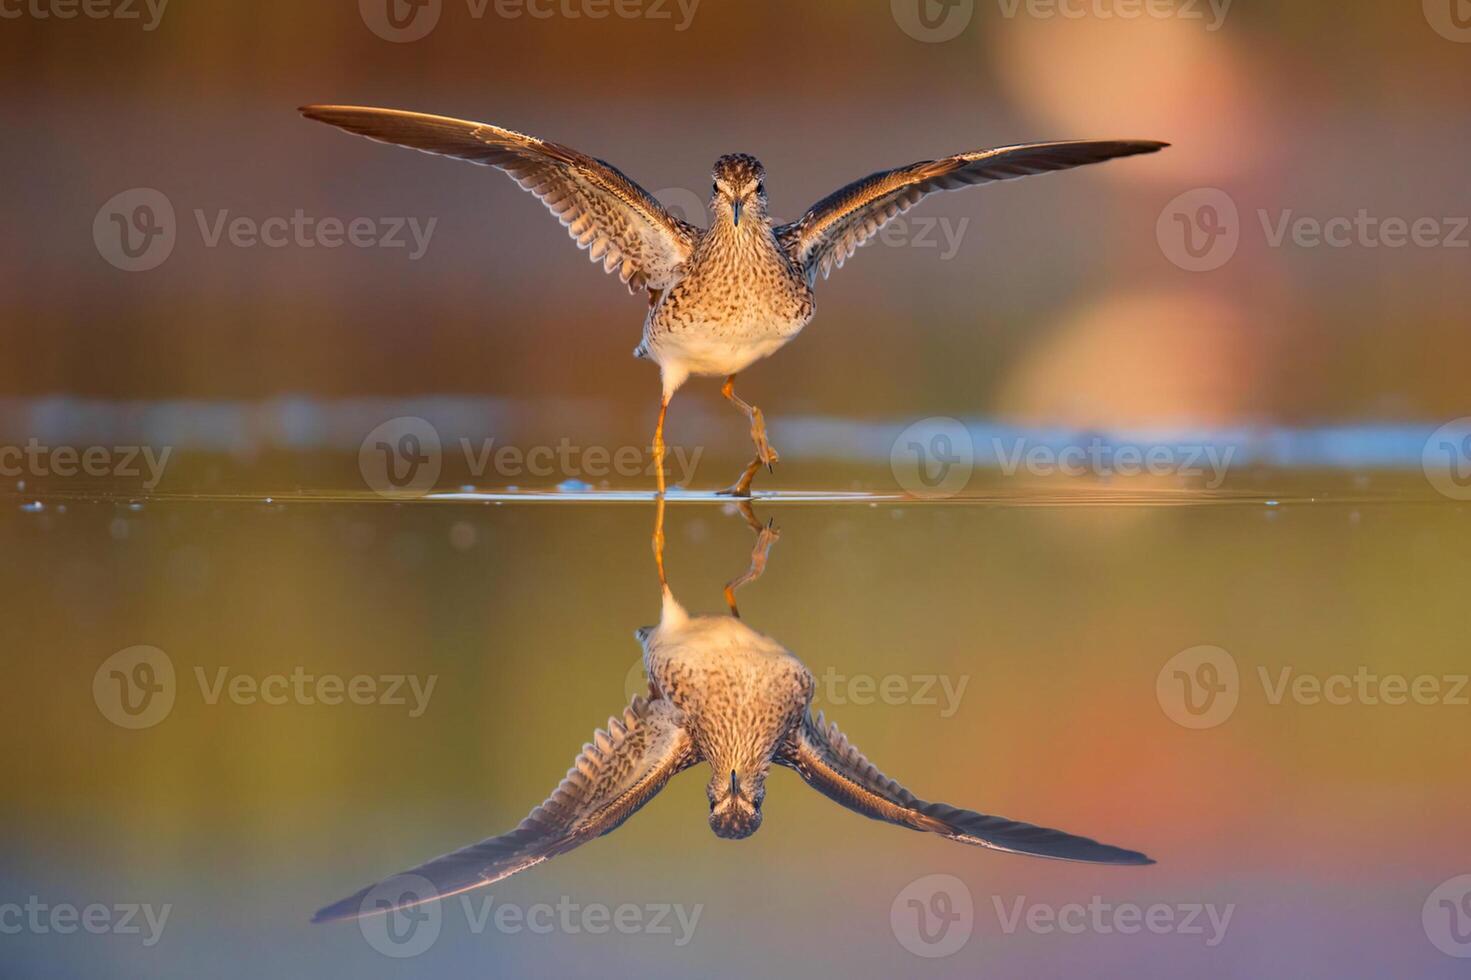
x=616, y=220
x=832, y=766
x=617, y=773
x=835, y=227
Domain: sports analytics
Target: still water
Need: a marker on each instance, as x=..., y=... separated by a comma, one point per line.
x=1267, y=697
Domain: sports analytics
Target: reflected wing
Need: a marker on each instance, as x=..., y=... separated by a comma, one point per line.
x=616, y=220
x=616, y=774
x=835, y=227
x=833, y=767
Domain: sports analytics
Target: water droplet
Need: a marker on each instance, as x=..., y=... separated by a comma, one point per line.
x=34, y=507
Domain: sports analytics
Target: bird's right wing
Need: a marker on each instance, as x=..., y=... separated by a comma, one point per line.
x=616, y=220
x=832, y=766
x=836, y=226
x=618, y=772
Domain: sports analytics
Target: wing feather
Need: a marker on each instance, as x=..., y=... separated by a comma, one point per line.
x=605, y=212
x=838, y=225
x=829, y=763
x=620, y=770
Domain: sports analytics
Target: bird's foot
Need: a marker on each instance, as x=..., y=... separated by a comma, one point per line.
x=770, y=535
x=768, y=455
x=742, y=487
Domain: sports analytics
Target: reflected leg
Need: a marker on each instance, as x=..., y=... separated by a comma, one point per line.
x=658, y=448
x=766, y=536
x=659, y=541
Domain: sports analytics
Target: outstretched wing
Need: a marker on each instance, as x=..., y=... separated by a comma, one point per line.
x=833, y=767
x=616, y=774
x=835, y=227
x=616, y=220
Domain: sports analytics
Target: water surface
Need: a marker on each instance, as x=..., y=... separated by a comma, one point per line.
x=1013, y=659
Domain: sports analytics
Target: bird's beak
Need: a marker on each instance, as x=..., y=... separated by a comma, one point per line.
x=737, y=208
x=735, y=786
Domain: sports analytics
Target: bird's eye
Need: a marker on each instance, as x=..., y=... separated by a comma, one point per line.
x=761, y=187
x=714, y=188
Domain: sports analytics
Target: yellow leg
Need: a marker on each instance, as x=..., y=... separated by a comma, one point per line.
x=766, y=455
x=764, y=450
x=659, y=444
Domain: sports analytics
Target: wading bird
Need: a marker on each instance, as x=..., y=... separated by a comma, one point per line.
x=724, y=297
x=723, y=694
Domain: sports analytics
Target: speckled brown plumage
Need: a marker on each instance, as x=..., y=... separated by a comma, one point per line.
x=725, y=694
x=720, y=298
x=740, y=693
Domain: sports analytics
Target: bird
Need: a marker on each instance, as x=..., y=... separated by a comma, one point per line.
x=724, y=694
x=724, y=297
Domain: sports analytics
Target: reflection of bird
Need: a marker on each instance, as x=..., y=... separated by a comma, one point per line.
x=723, y=298
x=724, y=694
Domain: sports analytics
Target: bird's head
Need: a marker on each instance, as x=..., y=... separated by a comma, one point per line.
x=739, y=188
x=735, y=802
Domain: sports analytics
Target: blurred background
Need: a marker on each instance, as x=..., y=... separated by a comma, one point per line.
x=1277, y=304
